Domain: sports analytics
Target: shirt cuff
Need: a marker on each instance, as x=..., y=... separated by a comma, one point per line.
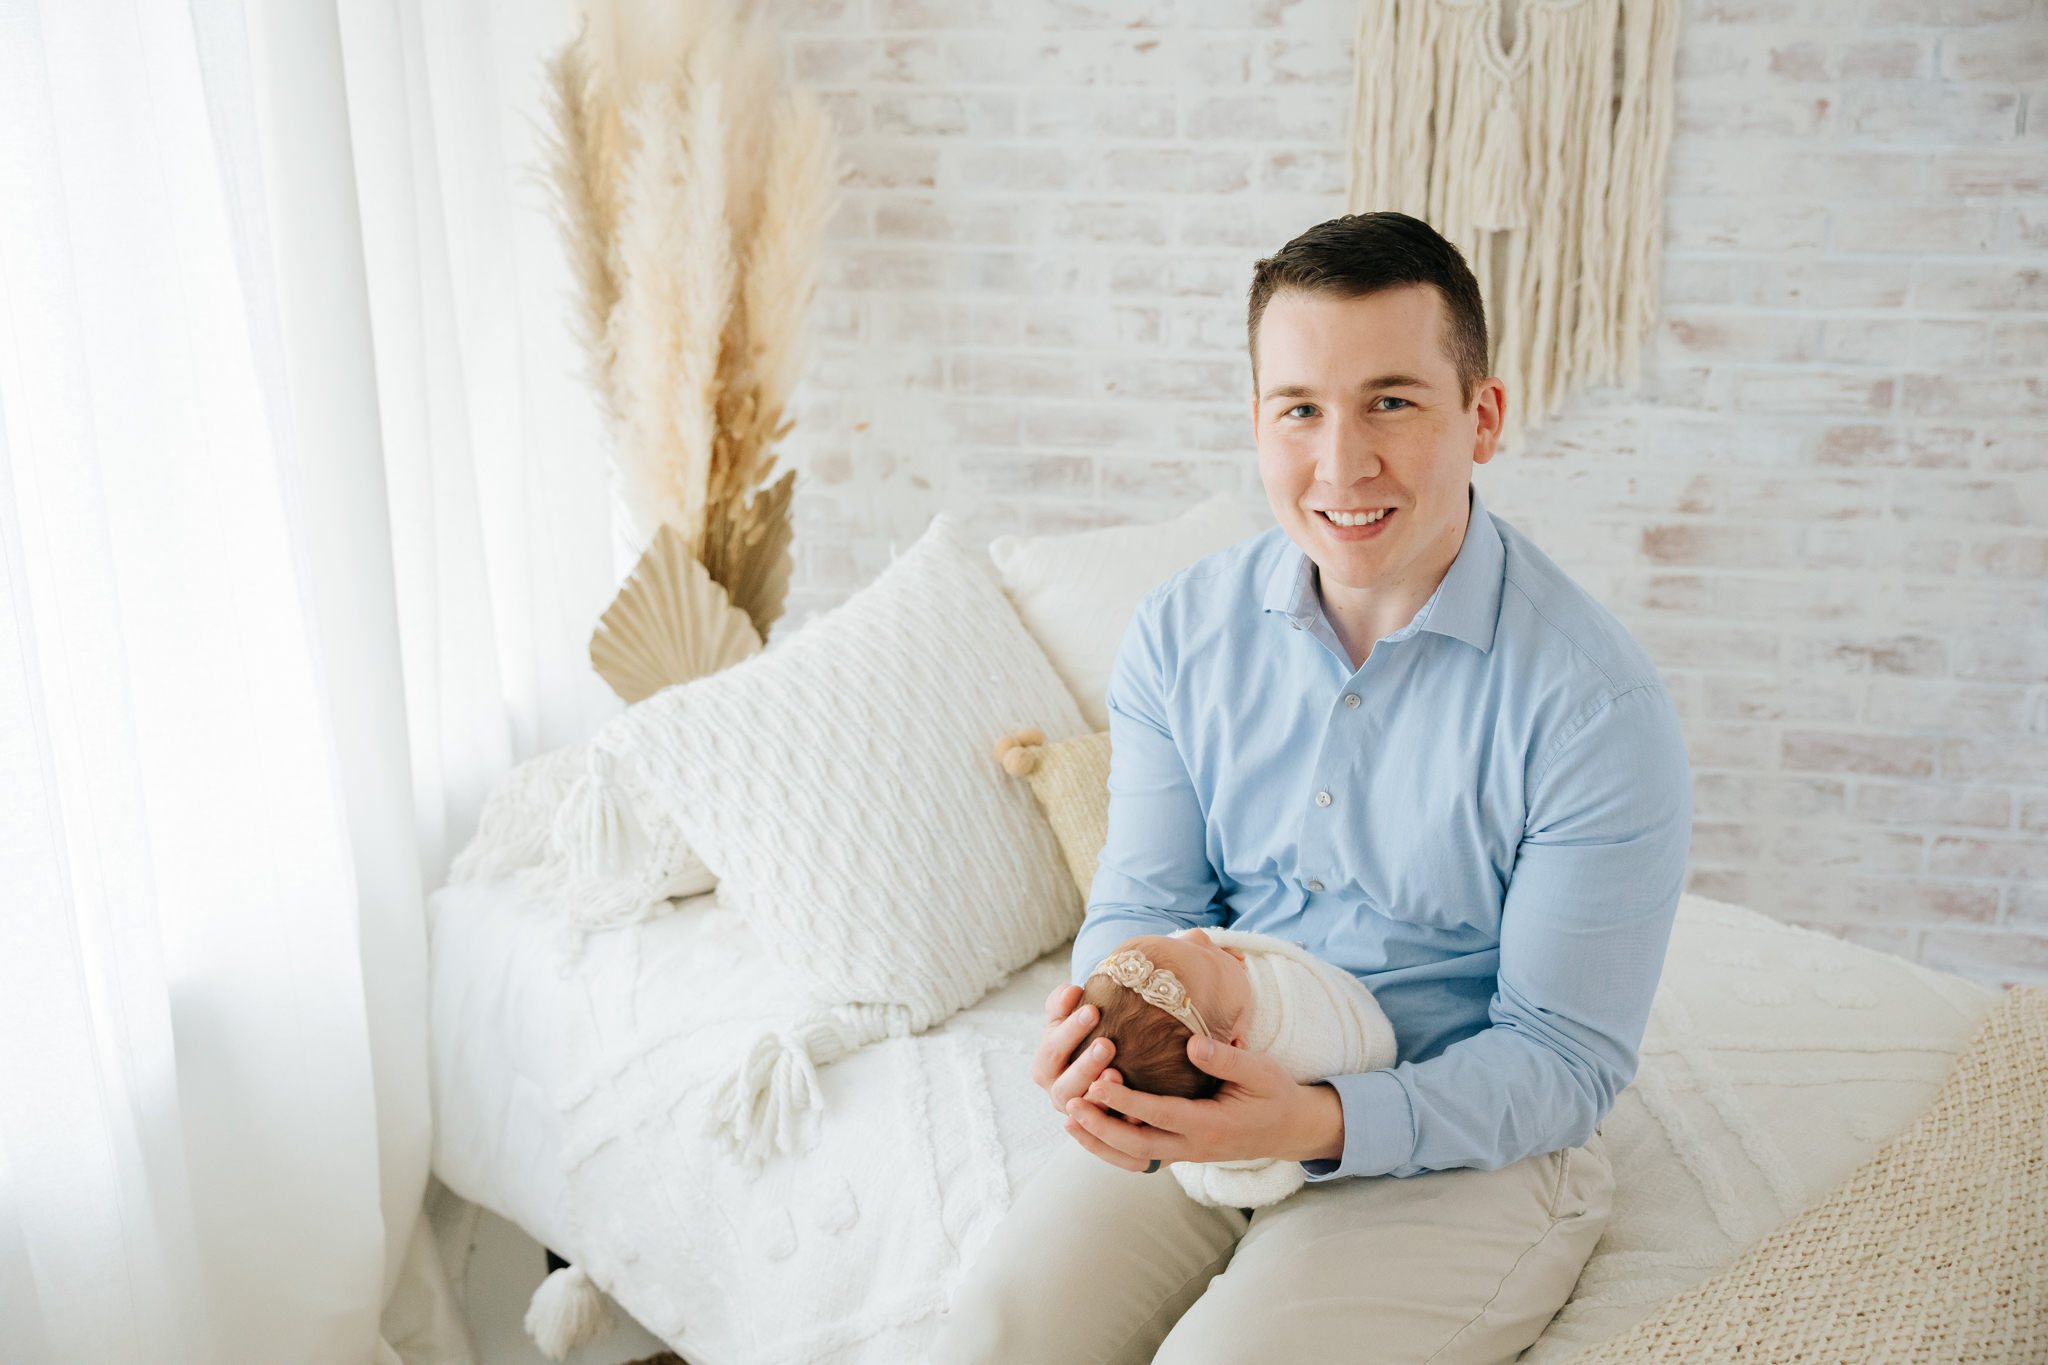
x=1379, y=1129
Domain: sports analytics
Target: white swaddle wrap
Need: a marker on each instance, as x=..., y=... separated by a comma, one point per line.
x=1314, y=1019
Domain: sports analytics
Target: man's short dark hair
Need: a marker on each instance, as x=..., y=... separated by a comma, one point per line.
x=1364, y=253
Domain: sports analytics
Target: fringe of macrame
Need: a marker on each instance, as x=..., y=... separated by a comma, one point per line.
x=1542, y=160
x=757, y=1107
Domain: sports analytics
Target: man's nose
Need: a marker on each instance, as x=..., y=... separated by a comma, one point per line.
x=1349, y=453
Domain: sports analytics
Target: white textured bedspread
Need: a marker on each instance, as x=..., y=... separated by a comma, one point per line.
x=567, y=1072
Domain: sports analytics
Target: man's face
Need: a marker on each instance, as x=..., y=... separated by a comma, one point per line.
x=1366, y=446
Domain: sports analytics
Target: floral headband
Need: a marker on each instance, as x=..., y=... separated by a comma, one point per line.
x=1154, y=985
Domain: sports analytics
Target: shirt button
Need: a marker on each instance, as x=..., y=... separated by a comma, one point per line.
x=1315, y=886
x=1351, y=700
x=1322, y=798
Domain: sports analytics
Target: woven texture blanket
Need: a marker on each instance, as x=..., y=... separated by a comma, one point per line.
x=1935, y=1249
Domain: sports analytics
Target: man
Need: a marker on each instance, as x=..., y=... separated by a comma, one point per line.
x=1393, y=731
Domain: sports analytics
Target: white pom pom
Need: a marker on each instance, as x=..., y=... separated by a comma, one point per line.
x=567, y=1311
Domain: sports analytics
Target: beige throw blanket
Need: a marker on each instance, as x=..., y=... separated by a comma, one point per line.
x=1936, y=1249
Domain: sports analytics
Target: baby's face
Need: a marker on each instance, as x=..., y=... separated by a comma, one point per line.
x=1215, y=977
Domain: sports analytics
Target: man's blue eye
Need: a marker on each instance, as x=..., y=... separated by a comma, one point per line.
x=1390, y=399
x=1299, y=409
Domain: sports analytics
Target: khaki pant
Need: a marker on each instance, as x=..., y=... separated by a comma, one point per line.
x=1095, y=1266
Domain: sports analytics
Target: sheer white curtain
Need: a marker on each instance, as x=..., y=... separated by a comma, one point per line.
x=222, y=783
x=502, y=516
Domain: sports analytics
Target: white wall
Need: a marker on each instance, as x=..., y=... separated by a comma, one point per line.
x=1823, y=512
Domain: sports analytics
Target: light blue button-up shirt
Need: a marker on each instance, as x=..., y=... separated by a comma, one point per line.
x=1486, y=823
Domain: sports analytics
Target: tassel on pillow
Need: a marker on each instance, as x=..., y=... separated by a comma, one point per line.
x=594, y=831
x=567, y=1311
x=759, y=1104
x=1019, y=753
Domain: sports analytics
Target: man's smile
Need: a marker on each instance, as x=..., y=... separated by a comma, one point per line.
x=1361, y=524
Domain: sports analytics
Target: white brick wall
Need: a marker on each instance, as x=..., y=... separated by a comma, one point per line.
x=1825, y=511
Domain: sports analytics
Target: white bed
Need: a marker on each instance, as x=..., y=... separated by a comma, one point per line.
x=568, y=1073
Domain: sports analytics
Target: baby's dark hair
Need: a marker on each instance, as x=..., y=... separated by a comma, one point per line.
x=1151, y=1045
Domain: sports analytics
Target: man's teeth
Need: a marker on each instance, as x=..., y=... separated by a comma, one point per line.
x=1357, y=518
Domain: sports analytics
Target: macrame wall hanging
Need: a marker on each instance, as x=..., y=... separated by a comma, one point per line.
x=692, y=190
x=1533, y=136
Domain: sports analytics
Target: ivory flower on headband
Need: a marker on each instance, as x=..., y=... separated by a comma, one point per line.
x=1154, y=985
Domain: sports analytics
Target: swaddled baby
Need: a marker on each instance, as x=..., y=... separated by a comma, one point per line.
x=1154, y=993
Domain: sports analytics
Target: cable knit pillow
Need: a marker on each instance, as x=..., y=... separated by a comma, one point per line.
x=841, y=788
x=1076, y=592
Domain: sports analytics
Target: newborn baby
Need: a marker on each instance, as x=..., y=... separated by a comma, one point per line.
x=1154, y=993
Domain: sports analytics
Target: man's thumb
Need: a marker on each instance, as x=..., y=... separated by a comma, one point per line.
x=1221, y=1060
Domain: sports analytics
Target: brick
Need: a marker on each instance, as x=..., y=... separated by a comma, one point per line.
x=1746, y=747
x=1931, y=803
x=1707, y=646
x=1186, y=481
x=1006, y=472
x=922, y=220
x=1975, y=500
x=1892, y=549
x=2002, y=958
x=1214, y=429
x=1121, y=223
x=1903, y=899
x=1779, y=599
x=1197, y=379
x=1669, y=592
x=2018, y=342
x=1745, y=797
x=1855, y=341
x=1176, y=171
x=872, y=166
x=1839, y=751
x=1018, y=168
x=1951, y=343
x=2011, y=557
x=1972, y=174
x=1719, y=546
x=1105, y=113
x=1178, y=276
x=1063, y=15
x=1263, y=118
x=2034, y=812
x=1771, y=698
x=1717, y=883
x=811, y=16
x=1989, y=395
x=879, y=268
x=984, y=422
x=1985, y=288
x=1890, y=59
x=1873, y=446
x=1026, y=375
x=1913, y=229
x=1725, y=841
x=2006, y=655
x=1305, y=172
x=1867, y=850
x=1966, y=856
x=1748, y=109
x=2019, y=449
x=1928, y=113
x=1939, y=13
x=1314, y=62
x=1897, y=941
x=1821, y=284
x=1745, y=337
x=2013, y=56
x=931, y=114
x=1735, y=169
x=2029, y=910
x=1995, y=758
x=1919, y=705
x=1900, y=655
x=1729, y=223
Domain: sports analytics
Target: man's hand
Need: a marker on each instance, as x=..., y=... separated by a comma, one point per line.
x=1260, y=1112
x=1065, y=1027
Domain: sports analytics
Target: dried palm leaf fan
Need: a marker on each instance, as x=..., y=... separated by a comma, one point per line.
x=670, y=623
x=692, y=191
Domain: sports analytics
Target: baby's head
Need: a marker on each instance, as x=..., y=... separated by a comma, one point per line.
x=1196, y=982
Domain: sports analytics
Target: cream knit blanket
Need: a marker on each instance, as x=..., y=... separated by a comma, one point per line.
x=1314, y=1019
x=1935, y=1249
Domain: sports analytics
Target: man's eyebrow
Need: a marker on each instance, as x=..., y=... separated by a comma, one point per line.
x=1384, y=381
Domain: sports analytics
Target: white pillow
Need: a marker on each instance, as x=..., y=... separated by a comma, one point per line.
x=841, y=787
x=1076, y=592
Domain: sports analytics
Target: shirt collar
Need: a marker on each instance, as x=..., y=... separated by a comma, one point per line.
x=1465, y=606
